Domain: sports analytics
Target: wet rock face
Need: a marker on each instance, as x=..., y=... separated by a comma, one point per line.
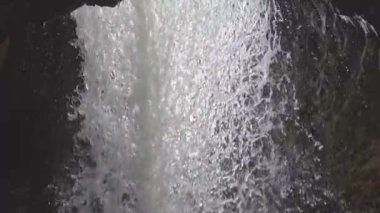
x=335, y=67
x=369, y=9
x=41, y=75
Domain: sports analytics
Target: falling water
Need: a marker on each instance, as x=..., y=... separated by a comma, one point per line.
x=190, y=106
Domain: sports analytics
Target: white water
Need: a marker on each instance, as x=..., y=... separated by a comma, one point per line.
x=177, y=108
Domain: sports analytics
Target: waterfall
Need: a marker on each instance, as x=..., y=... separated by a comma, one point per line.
x=195, y=106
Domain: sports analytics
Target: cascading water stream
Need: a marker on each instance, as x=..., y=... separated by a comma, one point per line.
x=186, y=109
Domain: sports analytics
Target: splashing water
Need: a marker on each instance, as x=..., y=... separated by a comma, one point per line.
x=185, y=109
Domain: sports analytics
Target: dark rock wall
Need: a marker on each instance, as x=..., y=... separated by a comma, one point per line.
x=42, y=72
x=335, y=68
